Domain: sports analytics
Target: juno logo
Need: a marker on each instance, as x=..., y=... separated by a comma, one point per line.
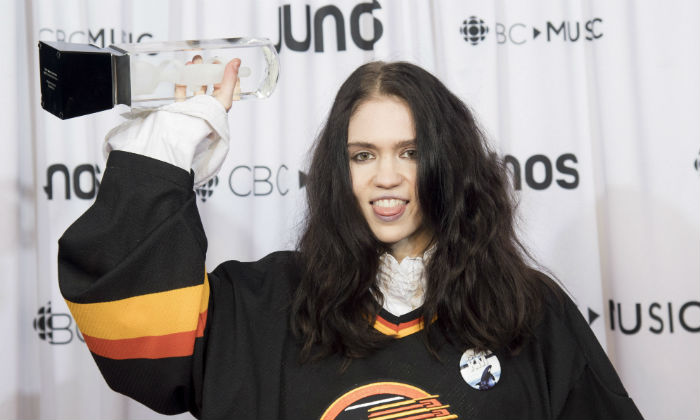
x=359, y=13
x=84, y=182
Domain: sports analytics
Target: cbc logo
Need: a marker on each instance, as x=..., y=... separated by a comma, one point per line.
x=55, y=328
x=474, y=30
x=205, y=191
x=259, y=180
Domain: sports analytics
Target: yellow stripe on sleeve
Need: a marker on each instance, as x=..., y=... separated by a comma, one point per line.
x=153, y=314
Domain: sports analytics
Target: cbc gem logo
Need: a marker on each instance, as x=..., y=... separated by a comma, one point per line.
x=205, y=191
x=55, y=328
x=474, y=30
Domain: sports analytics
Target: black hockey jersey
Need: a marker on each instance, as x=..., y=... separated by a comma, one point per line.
x=175, y=338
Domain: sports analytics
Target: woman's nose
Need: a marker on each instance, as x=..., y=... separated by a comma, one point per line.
x=388, y=174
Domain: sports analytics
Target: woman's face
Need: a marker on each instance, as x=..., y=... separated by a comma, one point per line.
x=383, y=168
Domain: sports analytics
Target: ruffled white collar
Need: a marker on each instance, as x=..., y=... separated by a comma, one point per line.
x=403, y=284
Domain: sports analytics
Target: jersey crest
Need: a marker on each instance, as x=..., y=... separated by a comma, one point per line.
x=388, y=400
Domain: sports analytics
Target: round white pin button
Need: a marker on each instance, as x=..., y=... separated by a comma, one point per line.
x=481, y=370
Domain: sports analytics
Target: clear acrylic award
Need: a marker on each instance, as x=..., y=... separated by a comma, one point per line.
x=80, y=79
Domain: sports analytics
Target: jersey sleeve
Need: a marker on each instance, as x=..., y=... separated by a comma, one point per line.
x=131, y=270
x=594, y=389
x=591, y=398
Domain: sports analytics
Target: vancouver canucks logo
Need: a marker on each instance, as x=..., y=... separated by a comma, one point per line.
x=388, y=400
x=481, y=370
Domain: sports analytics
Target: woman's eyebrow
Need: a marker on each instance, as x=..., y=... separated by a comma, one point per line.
x=363, y=144
x=368, y=145
x=406, y=143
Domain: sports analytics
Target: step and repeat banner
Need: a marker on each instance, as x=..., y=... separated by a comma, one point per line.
x=594, y=106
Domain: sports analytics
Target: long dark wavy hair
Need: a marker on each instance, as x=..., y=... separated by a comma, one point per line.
x=481, y=292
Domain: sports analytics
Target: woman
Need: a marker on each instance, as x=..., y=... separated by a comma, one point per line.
x=408, y=297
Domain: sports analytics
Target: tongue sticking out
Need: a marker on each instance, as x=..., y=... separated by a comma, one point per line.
x=389, y=211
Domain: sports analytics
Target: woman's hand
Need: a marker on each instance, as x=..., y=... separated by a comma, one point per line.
x=225, y=92
x=229, y=89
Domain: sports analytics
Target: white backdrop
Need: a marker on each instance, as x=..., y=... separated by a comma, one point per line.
x=595, y=104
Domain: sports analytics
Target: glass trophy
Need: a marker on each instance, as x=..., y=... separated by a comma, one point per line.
x=80, y=79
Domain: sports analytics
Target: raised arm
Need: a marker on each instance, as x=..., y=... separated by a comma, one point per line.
x=132, y=267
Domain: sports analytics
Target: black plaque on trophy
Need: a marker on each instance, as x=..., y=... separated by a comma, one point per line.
x=79, y=79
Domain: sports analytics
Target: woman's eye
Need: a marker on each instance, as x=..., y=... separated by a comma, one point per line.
x=410, y=153
x=362, y=156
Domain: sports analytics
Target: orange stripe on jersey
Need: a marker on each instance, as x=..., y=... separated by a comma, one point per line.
x=432, y=416
x=419, y=417
x=156, y=347
x=154, y=314
x=399, y=330
x=421, y=413
x=397, y=404
x=395, y=410
x=350, y=397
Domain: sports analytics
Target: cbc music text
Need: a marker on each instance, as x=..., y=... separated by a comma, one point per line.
x=569, y=31
x=655, y=317
x=101, y=37
x=359, y=11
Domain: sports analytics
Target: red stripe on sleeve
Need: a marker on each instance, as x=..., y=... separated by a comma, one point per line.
x=152, y=347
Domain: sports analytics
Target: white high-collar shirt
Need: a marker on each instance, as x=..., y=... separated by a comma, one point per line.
x=403, y=284
x=192, y=134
